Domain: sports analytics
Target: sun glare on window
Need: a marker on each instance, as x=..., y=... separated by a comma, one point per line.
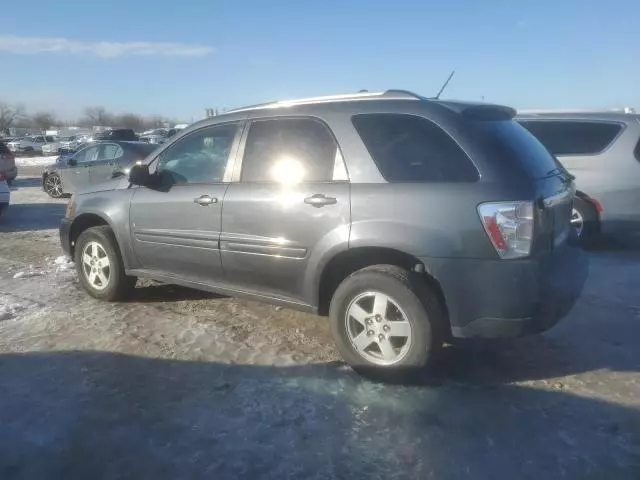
x=287, y=170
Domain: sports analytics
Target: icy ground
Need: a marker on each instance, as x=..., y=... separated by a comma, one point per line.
x=35, y=161
x=181, y=384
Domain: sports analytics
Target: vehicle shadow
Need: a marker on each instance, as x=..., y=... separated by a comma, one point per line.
x=24, y=217
x=25, y=182
x=105, y=415
x=164, y=293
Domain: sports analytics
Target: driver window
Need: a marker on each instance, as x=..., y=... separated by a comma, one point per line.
x=198, y=158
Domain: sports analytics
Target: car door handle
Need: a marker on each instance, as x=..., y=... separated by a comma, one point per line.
x=320, y=200
x=205, y=200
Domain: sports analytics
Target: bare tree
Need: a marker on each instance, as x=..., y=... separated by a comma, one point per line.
x=97, y=116
x=129, y=120
x=43, y=120
x=155, y=121
x=9, y=115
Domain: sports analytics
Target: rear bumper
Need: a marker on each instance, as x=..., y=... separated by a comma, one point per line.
x=64, y=228
x=510, y=298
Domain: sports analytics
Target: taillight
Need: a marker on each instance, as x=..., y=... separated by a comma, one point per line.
x=3, y=176
x=509, y=226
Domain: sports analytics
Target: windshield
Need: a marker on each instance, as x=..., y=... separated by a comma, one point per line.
x=514, y=141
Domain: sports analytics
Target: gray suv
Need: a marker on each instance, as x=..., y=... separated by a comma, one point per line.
x=602, y=151
x=408, y=221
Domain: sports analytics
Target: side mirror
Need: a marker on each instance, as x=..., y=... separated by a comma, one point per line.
x=139, y=175
x=71, y=162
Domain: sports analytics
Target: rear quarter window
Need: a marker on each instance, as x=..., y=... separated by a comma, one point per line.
x=412, y=149
x=563, y=137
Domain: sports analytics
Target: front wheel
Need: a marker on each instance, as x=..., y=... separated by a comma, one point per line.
x=386, y=322
x=99, y=265
x=53, y=185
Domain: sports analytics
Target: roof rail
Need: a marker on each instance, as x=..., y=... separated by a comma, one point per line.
x=629, y=110
x=395, y=92
x=388, y=94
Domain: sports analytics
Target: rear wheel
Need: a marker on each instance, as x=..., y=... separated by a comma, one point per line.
x=53, y=185
x=100, y=267
x=585, y=221
x=386, y=322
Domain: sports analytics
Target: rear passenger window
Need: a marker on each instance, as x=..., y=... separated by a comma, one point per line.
x=110, y=151
x=289, y=150
x=408, y=148
x=573, y=137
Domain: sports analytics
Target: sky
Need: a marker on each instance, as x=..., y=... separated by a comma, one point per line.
x=177, y=58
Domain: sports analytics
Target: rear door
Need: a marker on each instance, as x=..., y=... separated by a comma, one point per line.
x=291, y=200
x=106, y=162
x=176, y=223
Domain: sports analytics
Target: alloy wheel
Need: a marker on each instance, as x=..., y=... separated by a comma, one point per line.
x=577, y=222
x=378, y=328
x=53, y=185
x=96, y=265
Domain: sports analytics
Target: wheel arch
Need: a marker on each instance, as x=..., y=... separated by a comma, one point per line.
x=346, y=262
x=81, y=223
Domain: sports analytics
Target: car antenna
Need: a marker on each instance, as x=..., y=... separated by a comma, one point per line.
x=445, y=84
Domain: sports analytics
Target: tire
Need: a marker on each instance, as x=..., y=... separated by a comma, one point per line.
x=585, y=214
x=417, y=305
x=53, y=185
x=118, y=285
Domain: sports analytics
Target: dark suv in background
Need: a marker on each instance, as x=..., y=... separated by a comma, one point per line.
x=602, y=151
x=123, y=134
x=409, y=221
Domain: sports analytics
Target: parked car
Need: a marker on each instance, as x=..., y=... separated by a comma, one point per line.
x=95, y=163
x=409, y=221
x=602, y=151
x=8, y=169
x=5, y=194
x=122, y=134
x=61, y=144
x=156, y=136
x=30, y=145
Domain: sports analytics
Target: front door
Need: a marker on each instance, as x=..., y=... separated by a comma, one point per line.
x=175, y=223
x=76, y=176
x=291, y=203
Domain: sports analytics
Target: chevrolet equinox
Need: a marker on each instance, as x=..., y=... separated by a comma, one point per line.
x=408, y=221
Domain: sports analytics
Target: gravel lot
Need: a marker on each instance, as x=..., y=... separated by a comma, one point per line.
x=181, y=384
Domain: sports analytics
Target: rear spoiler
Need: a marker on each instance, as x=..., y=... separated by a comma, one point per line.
x=480, y=111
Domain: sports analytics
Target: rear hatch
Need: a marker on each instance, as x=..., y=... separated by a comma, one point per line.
x=554, y=188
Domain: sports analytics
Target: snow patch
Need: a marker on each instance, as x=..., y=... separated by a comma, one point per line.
x=28, y=274
x=63, y=263
x=9, y=307
x=35, y=161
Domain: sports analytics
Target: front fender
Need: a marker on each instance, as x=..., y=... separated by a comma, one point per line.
x=113, y=207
